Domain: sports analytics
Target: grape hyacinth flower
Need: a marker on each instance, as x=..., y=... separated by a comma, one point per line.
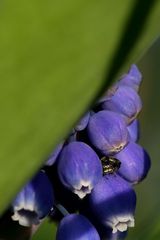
x=124, y=101
x=34, y=201
x=135, y=163
x=113, y=203
x=108, y=132
x=79, y=168
x=93, y=171
x=76, y=227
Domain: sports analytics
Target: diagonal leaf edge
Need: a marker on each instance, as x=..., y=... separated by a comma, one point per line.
x=133, y=31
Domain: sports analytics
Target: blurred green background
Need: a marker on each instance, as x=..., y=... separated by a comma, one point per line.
x=148, y=192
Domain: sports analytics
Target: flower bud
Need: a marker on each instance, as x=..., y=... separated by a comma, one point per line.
x=79, y=168
x=124, y=101
x=135, y=163
x=132, y=79
x=83, y=122
x=53, y=157
x=108, y=132
x=113, y=203
x=76, y=227
x=34, y=201
x=134, y=130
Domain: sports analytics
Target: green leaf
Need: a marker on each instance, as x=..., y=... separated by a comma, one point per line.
x=55, y=58
x=46, y=231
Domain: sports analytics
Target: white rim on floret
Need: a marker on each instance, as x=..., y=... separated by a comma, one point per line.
x=121, y=223
x=25, y=214
x=84, y=188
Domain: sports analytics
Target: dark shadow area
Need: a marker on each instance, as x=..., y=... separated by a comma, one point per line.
x=11, y=230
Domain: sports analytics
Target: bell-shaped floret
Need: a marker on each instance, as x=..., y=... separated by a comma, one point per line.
x=79, y=168
x=34, y=201
x=113, y=203
x=108, y=132
x=54, y=155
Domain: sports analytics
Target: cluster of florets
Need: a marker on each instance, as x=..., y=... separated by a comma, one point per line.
x=93, y=171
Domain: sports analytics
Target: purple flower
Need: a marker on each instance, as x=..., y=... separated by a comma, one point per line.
x=76, y=227
x=79, y=168
x=113, y=203
x=124, y=101
x=34, y=201
x=53, y=157
x=132, y=79
x=83, y=122
x=108, y=132
x=135, y=163
x=134, y=130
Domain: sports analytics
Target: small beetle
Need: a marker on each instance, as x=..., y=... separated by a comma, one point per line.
x=110, y=165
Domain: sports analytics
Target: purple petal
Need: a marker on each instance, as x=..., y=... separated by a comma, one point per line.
x=132, y=79
x=79, y=168
x=134, y=130
x=113, y=203
x=125, y=101
x=83, y=122
x=108, y=132
x=53, y=157
x=34, y=201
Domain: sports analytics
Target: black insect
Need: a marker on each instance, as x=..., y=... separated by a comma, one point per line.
x=110, y=165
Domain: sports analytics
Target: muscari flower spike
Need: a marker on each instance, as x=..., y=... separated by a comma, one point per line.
x=132, y=79
x=76, y=227
x=108, y=132
x=113, y=202
x=79, y=168
x=134, y=131
x=34, y=201
x=135, y=163
x=124, y=101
